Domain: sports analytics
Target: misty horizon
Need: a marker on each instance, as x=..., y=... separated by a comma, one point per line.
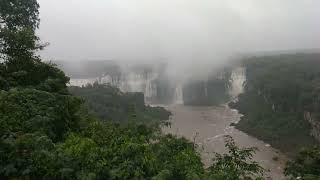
x=178, y=31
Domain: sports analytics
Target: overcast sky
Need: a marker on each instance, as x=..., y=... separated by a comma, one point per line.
x=177, y=30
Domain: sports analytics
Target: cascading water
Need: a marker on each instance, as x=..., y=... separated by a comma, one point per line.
x=151, y=86
x=107, y=79
x=238, y=78
x=151, y=89
x=135, y=82
x=160, y=90
x=178, y=95
x=206, y=90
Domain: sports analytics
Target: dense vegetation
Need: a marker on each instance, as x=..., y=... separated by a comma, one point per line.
x=280, y=92
x=306, y=165
x=281, y=105
x=109, y=103
x=47, y=133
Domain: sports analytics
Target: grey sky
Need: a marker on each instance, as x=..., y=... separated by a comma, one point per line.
x=177, y=30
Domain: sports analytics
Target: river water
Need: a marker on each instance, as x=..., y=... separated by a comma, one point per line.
x=206, y=126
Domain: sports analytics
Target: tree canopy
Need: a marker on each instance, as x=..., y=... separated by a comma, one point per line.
x=18, y=22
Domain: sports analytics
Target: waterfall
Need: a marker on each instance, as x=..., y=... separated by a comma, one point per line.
x=150, y=90
x=206, y=90
x=82, y=82
x=238, y=78
x=106, y=79
x=135, y=82
x=178, y=95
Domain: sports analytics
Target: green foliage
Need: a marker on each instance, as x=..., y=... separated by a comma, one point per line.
x=25, y=154
x=289, y=82
x=306, y=165
x=279, y=91
x=177, y=159
x=32, y=148
x=286, y=131
x=30, y=110
x=19, y=66
x=20, y=43
x=237, y=164
x=109, y=103
x=110, y=151
x=18, y=22
x=19, y=13
x=32, y=73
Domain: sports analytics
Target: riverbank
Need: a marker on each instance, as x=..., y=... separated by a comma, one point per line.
x=278, y=92
x=206, y=126
x=286, y=131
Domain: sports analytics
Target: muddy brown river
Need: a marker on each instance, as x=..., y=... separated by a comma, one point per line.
x=207, y=126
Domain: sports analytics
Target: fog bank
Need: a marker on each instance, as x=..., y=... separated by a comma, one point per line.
x=189, y=35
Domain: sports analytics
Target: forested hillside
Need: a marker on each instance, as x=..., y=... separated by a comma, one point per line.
x=281, y=98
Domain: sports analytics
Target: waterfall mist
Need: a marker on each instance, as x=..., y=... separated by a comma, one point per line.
x=188, y=35
x=195, y=39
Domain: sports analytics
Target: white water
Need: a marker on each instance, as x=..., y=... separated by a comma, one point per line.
x=151, y=87
x=178, y=95
x=145, y=83
x=238, y=78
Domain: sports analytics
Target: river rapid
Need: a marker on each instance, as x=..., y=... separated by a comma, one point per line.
x=207, y=126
